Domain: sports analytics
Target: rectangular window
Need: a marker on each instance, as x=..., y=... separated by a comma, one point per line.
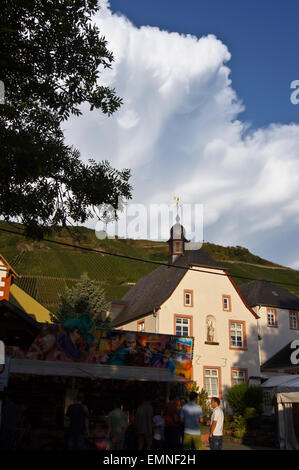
x=226, y=303
x=212, y=382
x=237, y=335
x=188, y=298
x=271, y=317
x=182, y=326
x=140, y=325
x=294, y=320
x=239, y=376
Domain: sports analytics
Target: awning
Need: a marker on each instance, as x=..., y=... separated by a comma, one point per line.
x=72, y=369
x=287, y=395
x=277, y=380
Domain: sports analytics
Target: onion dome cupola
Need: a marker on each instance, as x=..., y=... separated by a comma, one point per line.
x=176, y=241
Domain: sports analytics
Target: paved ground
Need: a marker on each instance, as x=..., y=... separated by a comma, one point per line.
x=228, y=445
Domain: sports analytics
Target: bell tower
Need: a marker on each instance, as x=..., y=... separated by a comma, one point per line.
x=177, y=239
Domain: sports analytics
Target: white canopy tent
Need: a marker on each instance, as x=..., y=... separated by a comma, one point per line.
x=286, y=389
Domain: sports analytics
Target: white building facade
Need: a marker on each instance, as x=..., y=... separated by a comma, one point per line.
x=202, y=302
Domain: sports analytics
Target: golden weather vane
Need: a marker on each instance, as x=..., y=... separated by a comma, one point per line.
x=176, y=198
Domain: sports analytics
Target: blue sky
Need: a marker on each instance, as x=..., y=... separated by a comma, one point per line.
x=261, y=35
x=207, y=114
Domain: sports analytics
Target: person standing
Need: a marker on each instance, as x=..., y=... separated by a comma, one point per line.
x=78, y=415
x=143, y=423
x=172, y=421
x=117, y=426
x=191, y=415
x=216, y=429
x=158, y=432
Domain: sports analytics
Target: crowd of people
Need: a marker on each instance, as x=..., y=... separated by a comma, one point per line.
x=154, y=427
x=151, y=426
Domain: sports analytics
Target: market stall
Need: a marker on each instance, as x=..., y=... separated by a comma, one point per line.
x=102, y=364
x=286, y=390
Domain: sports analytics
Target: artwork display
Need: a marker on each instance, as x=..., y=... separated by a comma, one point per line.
x=77, y=341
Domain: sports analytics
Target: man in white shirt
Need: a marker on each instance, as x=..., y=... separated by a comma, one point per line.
x=216, y=429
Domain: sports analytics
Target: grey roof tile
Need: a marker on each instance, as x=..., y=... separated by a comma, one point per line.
x=152, y=290
x=262, y=292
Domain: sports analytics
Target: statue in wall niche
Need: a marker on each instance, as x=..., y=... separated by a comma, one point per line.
x=210, y=329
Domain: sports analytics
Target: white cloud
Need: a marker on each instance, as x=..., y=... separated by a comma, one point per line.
x=295, y=265
x=180, y=132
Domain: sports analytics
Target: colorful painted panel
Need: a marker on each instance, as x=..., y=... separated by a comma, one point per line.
x=77, y=341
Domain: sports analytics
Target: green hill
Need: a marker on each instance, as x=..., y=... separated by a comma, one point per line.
x=45, y=268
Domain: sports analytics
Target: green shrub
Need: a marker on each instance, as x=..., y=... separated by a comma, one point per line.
x=227, y=423
x=236, y=398
x=252, y=417
x=204, y=402
x=250, y=413
x=239, y=426
x=254, y=398
x=242, y=396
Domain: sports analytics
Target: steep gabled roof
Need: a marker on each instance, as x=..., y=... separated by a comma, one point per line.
x=9, y=267
x=28, y=304
x=280, y=360
x=261, y=292
x=152, y=290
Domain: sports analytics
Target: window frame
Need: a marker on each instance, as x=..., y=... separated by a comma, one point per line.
x=275, y=317
x=189, y=317
x=239, y=369
x=219, y=379
x=297, y=319
x=188, y=291
x=244, y=336
x=229, y=309
x=139, y=323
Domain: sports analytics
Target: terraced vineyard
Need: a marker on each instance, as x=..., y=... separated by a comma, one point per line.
x=45, y=269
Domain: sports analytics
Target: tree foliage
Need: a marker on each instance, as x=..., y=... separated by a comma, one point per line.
x=242, y=396
x=51, y=57
x=86, y=297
